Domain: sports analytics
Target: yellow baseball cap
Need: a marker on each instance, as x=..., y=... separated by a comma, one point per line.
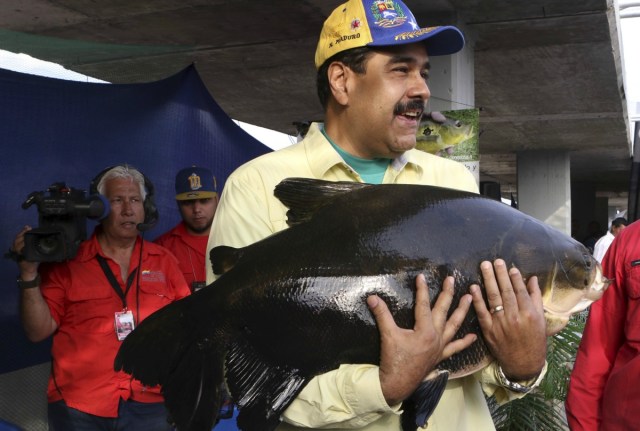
x=359, y=23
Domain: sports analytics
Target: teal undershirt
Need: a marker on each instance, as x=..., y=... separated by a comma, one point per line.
x=371, y=171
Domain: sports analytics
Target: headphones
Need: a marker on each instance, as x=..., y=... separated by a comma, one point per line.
x=151, y=214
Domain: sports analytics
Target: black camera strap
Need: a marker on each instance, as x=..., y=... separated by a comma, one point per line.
x=114, y=282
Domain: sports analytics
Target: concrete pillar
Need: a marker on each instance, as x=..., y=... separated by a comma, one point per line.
x=587, y=208
x=451, y=80
x=601, y=213
x=544, y=188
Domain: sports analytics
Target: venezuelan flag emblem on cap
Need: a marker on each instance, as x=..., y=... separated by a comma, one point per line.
x=359, y=23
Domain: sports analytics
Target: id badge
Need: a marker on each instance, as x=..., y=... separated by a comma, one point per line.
x=124, y=324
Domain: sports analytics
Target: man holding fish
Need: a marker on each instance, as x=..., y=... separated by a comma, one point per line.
x=373, y=63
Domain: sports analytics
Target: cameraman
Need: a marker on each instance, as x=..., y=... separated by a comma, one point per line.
x=91, y=302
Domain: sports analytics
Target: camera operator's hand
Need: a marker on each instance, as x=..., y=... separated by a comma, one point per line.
x=36, y=318
x=28, y=270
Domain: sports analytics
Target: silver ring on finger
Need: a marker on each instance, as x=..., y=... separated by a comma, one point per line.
x=497, y=308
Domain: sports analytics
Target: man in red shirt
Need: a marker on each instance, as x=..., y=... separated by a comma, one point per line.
x=604, y=394
x=91, y=302
x=197, y=200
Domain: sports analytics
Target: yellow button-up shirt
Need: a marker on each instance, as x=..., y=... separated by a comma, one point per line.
x=349, y=397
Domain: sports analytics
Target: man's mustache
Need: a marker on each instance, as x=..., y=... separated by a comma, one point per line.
x=412, y=105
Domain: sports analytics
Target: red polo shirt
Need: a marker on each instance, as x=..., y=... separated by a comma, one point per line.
x=83, y=304
x=604, y=391
x=189, y=249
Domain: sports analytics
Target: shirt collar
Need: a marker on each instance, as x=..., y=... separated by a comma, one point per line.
x=319, y=150
x=326, y=157
x=90, y=248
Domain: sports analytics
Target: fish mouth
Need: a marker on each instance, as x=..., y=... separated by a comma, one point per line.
x=599, y=286
x=565, y=301
x=560, y=303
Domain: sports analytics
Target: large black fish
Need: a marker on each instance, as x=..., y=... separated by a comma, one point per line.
x=292, y=306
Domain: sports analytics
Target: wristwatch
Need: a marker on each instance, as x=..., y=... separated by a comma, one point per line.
x=29, y=284
x=516, y=387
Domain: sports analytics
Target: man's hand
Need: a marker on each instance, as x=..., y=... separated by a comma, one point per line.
x=513, y=326
x=28, y=270
x=34, y=311
x=408, y=355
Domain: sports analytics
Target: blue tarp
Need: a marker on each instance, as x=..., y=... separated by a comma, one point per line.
x=54, y=130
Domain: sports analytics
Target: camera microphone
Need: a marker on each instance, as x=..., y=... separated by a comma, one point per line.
x=147, y=224
x=97, y=207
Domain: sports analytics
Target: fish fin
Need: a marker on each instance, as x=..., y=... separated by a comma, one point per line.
x=149, y=357
x=262, y=391
x=223, y=258
x=303, y=196
x=193, y=393
x=170, y=359
x=420, y=406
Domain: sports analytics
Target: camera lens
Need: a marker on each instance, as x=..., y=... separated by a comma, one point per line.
x=48, y=244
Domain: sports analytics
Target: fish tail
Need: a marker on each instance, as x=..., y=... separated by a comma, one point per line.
x=420, y=406
x=169, y=348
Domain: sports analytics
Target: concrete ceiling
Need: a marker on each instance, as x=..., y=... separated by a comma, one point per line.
x=547, y=72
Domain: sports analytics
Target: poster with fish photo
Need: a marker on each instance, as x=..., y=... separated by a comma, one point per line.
x=452, y=134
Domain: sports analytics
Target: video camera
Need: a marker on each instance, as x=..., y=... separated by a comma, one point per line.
x=62, y=223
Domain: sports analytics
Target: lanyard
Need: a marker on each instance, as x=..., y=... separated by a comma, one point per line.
x=114, y=283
